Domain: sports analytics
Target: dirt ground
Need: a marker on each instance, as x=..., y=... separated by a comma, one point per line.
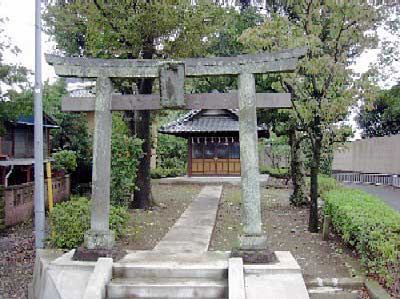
x=17, y=254
x=147, y=228
x=286, y=228
x=17, y=257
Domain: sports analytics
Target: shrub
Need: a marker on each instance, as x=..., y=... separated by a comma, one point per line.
x=367, y=223
x=325, y=184
x=279, y=173
x=159, y=173
x=171, y=152
x=65, y=160
x=125, y=151
x=69, y=220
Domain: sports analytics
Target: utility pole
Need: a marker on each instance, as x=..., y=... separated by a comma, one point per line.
x=38, y=131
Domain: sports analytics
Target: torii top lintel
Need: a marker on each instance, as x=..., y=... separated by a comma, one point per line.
x=282, y=61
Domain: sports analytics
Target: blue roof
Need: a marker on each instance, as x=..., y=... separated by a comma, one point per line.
x=30, y=121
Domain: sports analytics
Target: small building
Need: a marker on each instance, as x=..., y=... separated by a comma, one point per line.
x=17, y=148
x=17, y=171
x=213, y=141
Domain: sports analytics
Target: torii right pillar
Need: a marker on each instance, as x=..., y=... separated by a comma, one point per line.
x=253, y=242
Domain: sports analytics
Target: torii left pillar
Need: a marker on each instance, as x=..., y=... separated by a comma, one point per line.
x=100, y=237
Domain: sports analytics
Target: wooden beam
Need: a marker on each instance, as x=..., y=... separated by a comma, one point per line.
x=282, y=61
x=192, y=101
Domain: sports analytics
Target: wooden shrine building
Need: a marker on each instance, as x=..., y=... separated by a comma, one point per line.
x=213, y=140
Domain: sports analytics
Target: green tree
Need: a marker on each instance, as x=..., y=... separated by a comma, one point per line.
x=73, y=133
x=383, y=118
x=171, y=150
x=126, y=152
x=13, y=80
x=389, y=45
x=135, y=29
x=226, y=45
x=323, y=88
x=284, y=123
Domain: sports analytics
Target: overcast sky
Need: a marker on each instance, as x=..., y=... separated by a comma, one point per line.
x=20, y=28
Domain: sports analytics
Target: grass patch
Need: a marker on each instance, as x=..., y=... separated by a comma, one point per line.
x=325, y=184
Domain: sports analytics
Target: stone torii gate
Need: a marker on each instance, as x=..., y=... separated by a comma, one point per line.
x=171, y=74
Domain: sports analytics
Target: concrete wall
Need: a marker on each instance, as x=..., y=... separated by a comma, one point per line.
x=19, y=202
x=373, y=155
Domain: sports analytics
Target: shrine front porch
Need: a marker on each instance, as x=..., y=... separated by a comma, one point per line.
x=208, y=180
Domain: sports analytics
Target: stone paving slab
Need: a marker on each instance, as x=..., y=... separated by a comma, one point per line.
x=275, y=286
x=281, y=280
x=192, y=232
x=147, y=258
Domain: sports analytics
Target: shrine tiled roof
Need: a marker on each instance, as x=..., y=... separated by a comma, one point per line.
x=206, y=121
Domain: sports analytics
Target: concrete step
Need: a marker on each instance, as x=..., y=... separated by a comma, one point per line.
x=169, y=270
x=332, y=293
x=347, y=283
x=162, y=287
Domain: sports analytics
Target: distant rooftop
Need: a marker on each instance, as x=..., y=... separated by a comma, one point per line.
x=48, y=122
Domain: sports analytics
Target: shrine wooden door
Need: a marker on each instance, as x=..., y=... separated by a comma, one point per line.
x=214, y=156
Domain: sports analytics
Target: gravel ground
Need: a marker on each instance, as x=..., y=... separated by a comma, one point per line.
x=286, y=228
x=17, y=254
x=17, y=257
x=147, y=228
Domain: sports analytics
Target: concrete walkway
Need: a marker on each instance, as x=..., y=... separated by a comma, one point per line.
x=211, y=180
x=192, y=232
x=389, y=195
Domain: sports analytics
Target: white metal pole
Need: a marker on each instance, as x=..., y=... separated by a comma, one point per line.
x=38, y=131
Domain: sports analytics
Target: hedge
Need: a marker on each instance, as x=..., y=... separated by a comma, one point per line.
x=372, y=227
x=325, y=184
x=69, y=220
x=159, y=173
x=279, y=173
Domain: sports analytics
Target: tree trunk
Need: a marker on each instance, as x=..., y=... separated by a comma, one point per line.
x=316, y=156
x=154, y=138
x=142, y=196
x=298, y=197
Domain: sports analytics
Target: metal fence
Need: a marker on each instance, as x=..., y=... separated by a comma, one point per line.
x=370, y=178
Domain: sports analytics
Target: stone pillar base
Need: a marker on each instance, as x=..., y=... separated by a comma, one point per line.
x=98, y=244
x=99, y=239
x=92, y=255
x=253, y=249
x=253, y=242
